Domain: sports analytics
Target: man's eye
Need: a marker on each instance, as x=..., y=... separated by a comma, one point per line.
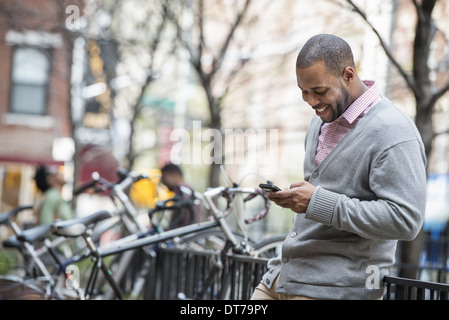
x=321, y=92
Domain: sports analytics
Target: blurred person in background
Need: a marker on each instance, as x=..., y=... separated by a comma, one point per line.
x=188, y=213
x=51, y=206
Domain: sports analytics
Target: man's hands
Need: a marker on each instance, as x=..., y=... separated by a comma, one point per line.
x=296, y=198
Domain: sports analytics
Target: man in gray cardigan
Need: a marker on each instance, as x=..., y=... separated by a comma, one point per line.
x=364, y=185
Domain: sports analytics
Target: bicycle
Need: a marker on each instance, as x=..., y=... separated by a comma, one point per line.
x=10, y=283
x=125, y=212
x=76, y=228
x=136, y=283
x=237, y=245
x=124, y=263
x=215, y=238
x=37, y=279
x=28, y=242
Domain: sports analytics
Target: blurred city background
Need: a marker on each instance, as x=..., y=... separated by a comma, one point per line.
x=95, y=85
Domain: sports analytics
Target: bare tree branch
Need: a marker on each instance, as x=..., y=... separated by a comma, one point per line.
x=407, y=78
x=416, y=4
x=194, y=58
x=440, y=93
x=218, y=61
x=207, y=75
x=441, y=133
x=137, y=107
x=201, y=43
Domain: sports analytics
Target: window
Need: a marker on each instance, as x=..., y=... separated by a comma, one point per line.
x=30, y=77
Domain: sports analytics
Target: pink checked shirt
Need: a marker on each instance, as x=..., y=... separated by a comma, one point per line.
x=332, y=133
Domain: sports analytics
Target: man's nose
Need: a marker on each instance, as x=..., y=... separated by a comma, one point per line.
x=312, y=100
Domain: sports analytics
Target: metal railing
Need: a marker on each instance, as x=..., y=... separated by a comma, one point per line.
x=408, y=289
x=186, y=274
x=246, y=273
x=178, y=274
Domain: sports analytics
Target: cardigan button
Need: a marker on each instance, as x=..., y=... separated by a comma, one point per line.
x=315, y=175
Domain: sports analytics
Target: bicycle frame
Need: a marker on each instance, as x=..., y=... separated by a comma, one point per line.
x=132, y=242
x=6, y=218
x=128, y=244
x=127, y=214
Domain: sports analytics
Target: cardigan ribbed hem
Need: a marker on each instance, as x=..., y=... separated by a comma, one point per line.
x=322, y=205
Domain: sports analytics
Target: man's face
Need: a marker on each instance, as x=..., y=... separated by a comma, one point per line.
x=326, y=93
x=169, y=180
x=55, y=179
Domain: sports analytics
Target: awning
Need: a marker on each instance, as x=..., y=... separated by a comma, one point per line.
x=100, y=159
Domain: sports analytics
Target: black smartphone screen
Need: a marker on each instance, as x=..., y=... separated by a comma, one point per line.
x=269, y=187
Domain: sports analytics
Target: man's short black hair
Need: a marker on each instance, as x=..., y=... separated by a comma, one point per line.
x=334, y=51
x=171, y=168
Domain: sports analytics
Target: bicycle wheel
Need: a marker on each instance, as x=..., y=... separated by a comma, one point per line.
x=16, y=288
x=270, y=247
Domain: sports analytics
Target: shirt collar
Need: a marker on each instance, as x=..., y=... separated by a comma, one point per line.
x=362, y=102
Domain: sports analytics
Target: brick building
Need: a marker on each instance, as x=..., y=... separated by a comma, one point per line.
x=35, y=74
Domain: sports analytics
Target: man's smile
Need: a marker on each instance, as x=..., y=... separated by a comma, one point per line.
x=322, y=109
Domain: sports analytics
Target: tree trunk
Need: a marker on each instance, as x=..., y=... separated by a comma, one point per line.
x=410, y=253
x=423, y=92
x=424, y=123
x=411, y=250
x=214, y=173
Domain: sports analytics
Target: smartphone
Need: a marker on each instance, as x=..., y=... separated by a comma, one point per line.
x=269, y=187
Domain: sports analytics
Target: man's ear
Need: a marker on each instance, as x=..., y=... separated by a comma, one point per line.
x=348, y=74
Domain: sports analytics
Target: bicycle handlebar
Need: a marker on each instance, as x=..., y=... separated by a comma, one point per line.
x=97, y=183
x=228, y=193
x=100, y=184
x=85, y=187
x=211, y=194
x=178, y=203
x=5, y=216
x=262, y=213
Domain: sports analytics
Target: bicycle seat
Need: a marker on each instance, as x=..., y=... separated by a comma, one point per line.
x=12, y=242
x=34, y=234
x=76, y=227
x=5, y=216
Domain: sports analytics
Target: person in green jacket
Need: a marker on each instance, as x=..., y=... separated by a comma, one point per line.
x=52, y=206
